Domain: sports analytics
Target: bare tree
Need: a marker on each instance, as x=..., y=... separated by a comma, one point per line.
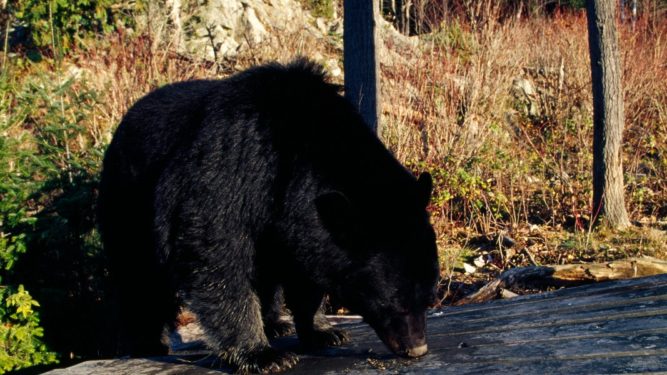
x=608, y=115
x=361, y=58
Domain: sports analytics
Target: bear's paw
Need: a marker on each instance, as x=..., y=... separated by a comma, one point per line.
x=266, y=360
x=278, y=328
x=321, y=338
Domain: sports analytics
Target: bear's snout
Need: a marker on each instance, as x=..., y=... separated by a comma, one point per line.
x=405, y=335
x=417, y=351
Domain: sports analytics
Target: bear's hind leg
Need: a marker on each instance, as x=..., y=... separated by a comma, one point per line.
x=312, y=327
x=273, y=313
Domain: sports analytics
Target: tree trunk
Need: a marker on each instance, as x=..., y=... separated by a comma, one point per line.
x=608, y=115
x=360, y=58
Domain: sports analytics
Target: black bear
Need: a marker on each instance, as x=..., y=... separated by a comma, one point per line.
x=223, y=195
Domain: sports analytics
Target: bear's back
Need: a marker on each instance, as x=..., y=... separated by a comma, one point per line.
x=168, y=120
x=267, y=113
x=155, y=125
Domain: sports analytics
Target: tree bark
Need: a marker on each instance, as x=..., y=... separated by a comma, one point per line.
x=608, y=115
x=360, y=58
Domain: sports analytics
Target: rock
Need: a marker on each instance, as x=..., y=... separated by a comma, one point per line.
x=221, y=29
x=397, y=49
x=254, y=28
x=524, y=90
x=322, y=25
x=469, y=268
x=505, y=294
x=332, y=68
x=480, y=261
x=216, y=30
x=523, y=87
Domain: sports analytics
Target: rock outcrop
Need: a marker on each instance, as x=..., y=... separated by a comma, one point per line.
x=218, y=29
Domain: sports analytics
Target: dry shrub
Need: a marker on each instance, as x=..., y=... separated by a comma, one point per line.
x=499, y=112
x=130, y=66
x=645, y=77
x=501, y=115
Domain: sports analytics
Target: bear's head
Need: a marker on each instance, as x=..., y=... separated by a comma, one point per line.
x=391, y=269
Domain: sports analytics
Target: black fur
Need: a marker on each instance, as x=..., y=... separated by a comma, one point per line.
x=217, y=194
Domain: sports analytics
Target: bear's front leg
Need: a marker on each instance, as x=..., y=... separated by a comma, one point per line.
x=273, y=314
x=232, y=319
x=262, y=360
x=311, y=325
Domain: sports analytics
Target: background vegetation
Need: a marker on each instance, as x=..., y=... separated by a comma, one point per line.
x=495, y=102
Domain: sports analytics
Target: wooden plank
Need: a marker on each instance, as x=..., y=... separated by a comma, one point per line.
x=620, y=327
x=628, y=312
x=603, y=290
x=540, y=338
x=645, y=362
x=136, y=366
x=606, y=321
x=560, y=338
x=629, y=344
x=580, y=306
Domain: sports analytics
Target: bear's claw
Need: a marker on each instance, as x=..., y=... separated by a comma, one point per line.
x=279, y=329
x=267, y=360
x=326, y=337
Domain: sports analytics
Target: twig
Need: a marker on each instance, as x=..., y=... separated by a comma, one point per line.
x=530, y=256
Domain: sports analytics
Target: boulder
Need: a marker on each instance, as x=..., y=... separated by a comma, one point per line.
x=220, y=29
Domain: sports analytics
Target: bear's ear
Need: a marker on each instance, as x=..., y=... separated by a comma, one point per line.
x=335, y=212
x=425, y=183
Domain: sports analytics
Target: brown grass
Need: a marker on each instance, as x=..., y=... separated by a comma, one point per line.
x=501, y=168
x=127, y=67
x=455, y=110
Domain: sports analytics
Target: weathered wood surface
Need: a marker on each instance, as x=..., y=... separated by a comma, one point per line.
x=606, y=328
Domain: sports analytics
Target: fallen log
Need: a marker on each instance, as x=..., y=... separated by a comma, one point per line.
x=541, y=277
